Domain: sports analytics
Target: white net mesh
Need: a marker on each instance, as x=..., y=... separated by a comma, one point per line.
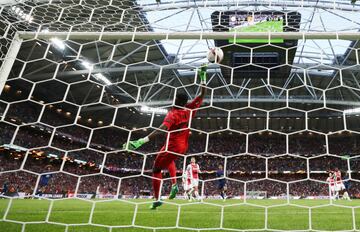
x=278, y=116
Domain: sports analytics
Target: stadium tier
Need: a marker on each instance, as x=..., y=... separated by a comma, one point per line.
x=172, y=115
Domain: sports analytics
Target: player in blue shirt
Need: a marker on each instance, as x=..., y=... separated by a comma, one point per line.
x=347, y=185
x=221, y=182
x=44, y=180
x=5, y=188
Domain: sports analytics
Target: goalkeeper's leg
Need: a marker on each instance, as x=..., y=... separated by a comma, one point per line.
x=172, y=172
x=157, y=178
x=157, y=182
x=163, y=160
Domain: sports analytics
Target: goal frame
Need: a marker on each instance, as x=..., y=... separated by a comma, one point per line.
x=136, y=35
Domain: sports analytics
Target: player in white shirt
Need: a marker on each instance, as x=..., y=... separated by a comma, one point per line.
x=331, y=182
x=188, y=188
x=339, y=186
x=193, y=171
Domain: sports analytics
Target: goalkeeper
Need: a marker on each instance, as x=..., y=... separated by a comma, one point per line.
x=177, y=120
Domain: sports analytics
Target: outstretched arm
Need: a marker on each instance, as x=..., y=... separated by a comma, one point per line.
x=133, y=145
x=202, y=74
x=196, y=103
x=155, y=133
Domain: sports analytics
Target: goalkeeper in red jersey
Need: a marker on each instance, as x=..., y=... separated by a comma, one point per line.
x=176, y=123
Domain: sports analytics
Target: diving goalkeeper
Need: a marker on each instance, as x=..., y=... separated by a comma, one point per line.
x=177, y=120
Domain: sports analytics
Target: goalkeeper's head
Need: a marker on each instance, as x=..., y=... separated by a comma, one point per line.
x=181, y=99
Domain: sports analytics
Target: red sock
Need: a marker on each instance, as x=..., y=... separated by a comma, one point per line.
x=156, y=184
x=172, y=172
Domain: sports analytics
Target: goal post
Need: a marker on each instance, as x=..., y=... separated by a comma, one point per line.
x=9, y=60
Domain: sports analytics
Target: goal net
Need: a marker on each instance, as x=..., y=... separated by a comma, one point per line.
x=80, y=78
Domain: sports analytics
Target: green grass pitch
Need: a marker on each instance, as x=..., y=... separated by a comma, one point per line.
x=272, y=26
x=107, y=214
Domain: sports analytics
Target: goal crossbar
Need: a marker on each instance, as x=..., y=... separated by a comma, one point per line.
x=188, y=35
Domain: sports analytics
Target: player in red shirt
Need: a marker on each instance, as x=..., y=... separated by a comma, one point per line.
x=176, y=123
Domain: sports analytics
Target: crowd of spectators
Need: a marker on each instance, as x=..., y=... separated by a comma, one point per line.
x=79, y=154
x=265, y=144
x=225, y=143
x=121, y=173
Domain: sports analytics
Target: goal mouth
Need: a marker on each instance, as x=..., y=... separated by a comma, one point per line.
x=89, y=116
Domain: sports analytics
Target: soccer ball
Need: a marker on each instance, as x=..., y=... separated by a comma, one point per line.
x=215, y=55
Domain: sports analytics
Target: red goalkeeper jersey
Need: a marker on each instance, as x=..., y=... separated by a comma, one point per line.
x=178, y=119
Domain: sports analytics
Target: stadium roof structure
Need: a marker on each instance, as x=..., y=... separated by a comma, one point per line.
x=329, y=68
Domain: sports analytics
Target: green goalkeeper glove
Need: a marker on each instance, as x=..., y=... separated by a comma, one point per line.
x=202, y=74
x=133, y=145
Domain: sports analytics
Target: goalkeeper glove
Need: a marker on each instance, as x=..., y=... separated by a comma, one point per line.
x=202, y=74
x=133, y=145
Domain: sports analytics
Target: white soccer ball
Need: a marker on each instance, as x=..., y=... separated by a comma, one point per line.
x=215, y=55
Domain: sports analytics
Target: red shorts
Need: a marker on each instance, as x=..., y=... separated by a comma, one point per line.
x=163, y=158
